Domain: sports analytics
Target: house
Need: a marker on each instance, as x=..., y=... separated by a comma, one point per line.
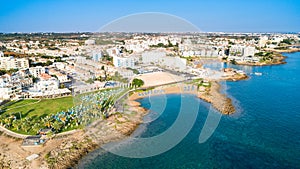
x=46, y=83
x=33, y=141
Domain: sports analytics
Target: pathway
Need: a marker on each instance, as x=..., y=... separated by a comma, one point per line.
x=25, y=105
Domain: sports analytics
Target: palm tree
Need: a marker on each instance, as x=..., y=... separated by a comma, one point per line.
x=57, y=126
x=47, y=121
x=36, y=127
x=17, y=124
x=25, y=125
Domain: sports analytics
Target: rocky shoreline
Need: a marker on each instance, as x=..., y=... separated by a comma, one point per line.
x=280, y=60
x=219, y=101
x=116, y=127
x=290, y=50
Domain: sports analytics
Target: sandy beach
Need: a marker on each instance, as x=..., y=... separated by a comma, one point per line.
x=211, y=95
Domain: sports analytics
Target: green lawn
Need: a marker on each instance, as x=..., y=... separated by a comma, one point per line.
x=18, y=103
x=41, y=109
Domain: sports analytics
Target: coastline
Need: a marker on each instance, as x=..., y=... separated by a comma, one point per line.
x=119, y=126
x=211, y=95
x=280, y=61
x=63, y=151
x=290, y=50
x=66, y=150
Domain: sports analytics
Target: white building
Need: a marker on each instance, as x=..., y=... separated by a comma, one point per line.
x=113, y=51
x=62, y=78
x=97, y=56
x=263, y=41
x=175, y=63
x=37, y=71
x=249, y=51
x=10, y=91
x=160, y=58
x=89, y=42
x=126, y=73
x=46, y=83
x=13, y=63
x=60, y=65
x=123, y=62
x=153, y=56
x=240, y=50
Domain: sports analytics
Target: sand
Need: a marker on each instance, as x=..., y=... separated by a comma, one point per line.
x=211, y=95
x=159, y=78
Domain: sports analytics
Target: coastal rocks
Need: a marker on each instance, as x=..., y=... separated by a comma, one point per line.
x=69, y=152
x=11, y=154
x=115, y=127
x=236, y=77
x=219, y=101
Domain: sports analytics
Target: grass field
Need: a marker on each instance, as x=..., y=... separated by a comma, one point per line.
x=35, y=108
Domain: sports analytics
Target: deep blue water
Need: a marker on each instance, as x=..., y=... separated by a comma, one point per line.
x=263, y=133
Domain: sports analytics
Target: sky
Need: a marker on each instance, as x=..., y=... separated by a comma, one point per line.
x=207, y=15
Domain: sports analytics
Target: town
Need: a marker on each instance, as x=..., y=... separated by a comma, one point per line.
x=50, y=65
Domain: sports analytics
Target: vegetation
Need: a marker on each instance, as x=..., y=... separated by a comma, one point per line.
x=233, y=62
x=287, y=41
x=10, y=71
x=265, y=56
x=42, y=108
x=119, y=78
x=137, y=82
x=161, y=45
x=135, y=71
x=89, y=81
x=29, y=116
x=103, y=42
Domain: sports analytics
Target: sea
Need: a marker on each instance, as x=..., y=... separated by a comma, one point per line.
x=264, y=132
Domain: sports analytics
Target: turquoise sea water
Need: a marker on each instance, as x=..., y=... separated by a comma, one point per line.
x=263, y=133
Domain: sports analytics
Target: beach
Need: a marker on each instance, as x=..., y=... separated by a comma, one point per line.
x=65, y=150
x=211, y=95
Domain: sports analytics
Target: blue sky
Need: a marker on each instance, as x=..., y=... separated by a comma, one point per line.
x=208, y=15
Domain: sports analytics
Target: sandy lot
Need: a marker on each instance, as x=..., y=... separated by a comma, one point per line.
x=159, y=78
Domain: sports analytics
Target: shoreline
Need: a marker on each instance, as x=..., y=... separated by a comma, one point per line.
x=67, y=150
x=119, y=126
x=211, y=95
x=290, y=50
x=63, y=151
x=281, y=60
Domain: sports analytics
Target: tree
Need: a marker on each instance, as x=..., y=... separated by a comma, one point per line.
x=233, y=62
x=25, y=126
x=36, y=127
x=137, y=82
x=16, y=124
x=286, y=41
x=62, y=86
x=57, y=126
